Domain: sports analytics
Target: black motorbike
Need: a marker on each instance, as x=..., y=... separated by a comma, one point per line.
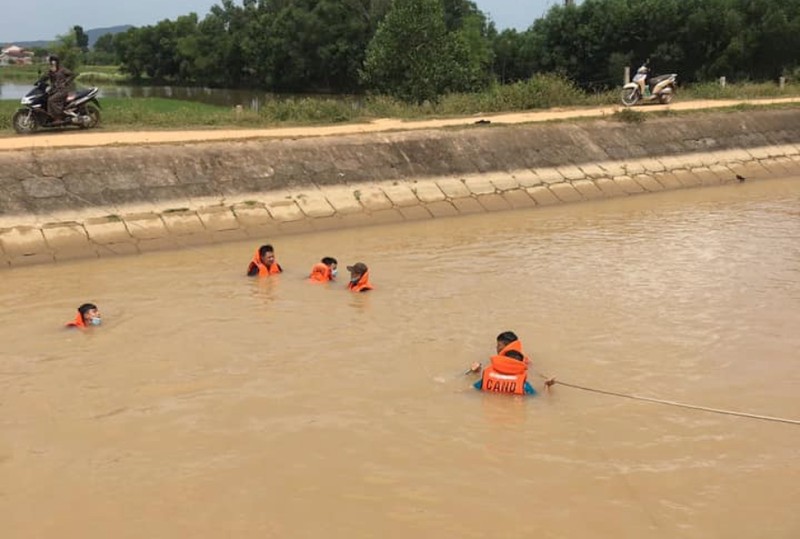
x=80, y=110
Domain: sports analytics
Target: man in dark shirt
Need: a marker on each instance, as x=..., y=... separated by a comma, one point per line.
x=60, y=79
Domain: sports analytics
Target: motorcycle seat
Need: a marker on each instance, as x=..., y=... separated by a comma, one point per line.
x=72, y=96
x=655, y=80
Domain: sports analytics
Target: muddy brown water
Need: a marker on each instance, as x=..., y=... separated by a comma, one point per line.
x=209, y=405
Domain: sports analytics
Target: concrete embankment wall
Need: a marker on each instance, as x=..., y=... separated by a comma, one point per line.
x=59, y=204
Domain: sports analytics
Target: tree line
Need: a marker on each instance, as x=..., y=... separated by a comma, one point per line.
x=420, y=49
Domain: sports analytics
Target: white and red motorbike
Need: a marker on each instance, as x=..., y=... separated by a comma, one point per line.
x=648, y=89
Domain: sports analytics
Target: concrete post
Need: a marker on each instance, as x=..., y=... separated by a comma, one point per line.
x=722, y=81
x=626, y=77
x=239, y=110
x=781, y=82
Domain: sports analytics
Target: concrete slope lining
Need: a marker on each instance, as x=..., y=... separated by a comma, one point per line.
x=63, y=204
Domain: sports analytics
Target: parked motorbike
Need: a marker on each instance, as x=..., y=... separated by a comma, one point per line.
x=642, y=88
x=82, y=109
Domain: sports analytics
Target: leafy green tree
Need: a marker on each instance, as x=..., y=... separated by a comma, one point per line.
x=422, y=48
x=474, y=32
x=221, y=52
x=138, y=48
x=456, y=11
x=377, y=12
x=317, y=45
x=698, y=39
x=164, y=52
x=105, y=43
x=103, y=51
x=413, y=56
x=68, y=52
x=341, y=44
x=124, y=44
x=81, y=39
x=512, y=57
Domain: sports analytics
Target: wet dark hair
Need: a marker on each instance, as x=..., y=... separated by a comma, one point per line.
x=328, y=260
x=513, y=354
x=264, y=249
x=507, y=337
x=86, y=307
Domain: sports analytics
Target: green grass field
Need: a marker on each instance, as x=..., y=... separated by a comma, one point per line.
x=86, y=73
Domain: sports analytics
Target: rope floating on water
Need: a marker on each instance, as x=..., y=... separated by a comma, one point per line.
x=682, y=405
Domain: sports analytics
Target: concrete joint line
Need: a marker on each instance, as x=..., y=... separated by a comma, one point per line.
x=396, y=200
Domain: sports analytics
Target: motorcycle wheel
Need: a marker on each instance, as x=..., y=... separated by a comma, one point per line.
x=94, y=113
x=665, y=99
x=24, y=122
x=630, y=96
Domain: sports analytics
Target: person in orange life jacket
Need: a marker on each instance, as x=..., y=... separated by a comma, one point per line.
x=507, y=373
x=359, y=277
x=324, y=270
x=88, y=315
x=263, y=263
x=508, y=370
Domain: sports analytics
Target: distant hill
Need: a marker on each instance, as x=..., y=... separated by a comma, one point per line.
x=93, y=34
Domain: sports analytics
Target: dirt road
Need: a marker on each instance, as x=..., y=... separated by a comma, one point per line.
x=105, y=138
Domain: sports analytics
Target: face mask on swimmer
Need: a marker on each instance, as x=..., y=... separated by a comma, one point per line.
x=334, y=271
x=96, y=321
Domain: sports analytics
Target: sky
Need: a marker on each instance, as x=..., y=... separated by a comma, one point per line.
x=29, y=20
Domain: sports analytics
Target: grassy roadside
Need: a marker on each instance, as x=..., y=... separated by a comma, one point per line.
x=29, y=73
x=540, y=93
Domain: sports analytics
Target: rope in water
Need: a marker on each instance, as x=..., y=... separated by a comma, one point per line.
x=682, y=405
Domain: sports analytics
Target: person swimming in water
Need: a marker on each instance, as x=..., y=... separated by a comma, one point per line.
x=324, y=271
x=263, y=262
x=359, y=278
x=508, y=369
x=88, y=315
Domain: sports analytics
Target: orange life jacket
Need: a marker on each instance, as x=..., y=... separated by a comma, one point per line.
x=505, y=375
x=517, y=347
x=263, y=270
x=361, y=285
x=321, y=273
x=77, y=323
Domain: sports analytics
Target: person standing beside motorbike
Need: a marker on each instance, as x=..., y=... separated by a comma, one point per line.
x=59, y=78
